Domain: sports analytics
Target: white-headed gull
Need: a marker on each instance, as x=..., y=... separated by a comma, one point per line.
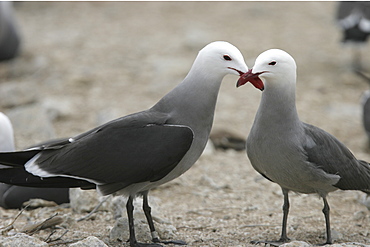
x=297, y=156
x=141, y=151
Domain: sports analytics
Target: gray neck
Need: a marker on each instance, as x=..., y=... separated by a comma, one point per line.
x=278, y=107
x=193, y=101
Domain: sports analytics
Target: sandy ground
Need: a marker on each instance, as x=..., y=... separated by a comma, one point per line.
x=113, y=59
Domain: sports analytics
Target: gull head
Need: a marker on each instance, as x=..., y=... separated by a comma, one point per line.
x=274, y=66
x=221, y=58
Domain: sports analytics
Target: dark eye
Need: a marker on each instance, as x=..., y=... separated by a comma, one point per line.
x=227, y=57
x=272, y=63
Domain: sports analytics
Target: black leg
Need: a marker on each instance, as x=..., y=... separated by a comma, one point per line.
x=130, y=215
x=148, y=214
x=326, y=211
x=283, y=238
x=286, y=205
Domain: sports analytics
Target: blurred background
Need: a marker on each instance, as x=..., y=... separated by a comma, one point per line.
x=81, y=64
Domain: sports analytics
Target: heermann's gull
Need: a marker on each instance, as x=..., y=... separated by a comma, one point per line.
x=136, y=153
x=298, y=156
x=12, y=196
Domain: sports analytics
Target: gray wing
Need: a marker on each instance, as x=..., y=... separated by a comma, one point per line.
x=330, y=155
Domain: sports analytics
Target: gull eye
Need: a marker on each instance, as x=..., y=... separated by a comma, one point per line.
x=227, y=58
x=272, y=63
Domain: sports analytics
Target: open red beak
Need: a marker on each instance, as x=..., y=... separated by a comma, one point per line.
x=252, y=78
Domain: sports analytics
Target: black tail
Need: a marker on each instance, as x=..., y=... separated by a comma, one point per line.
x=17, y=159
x=20, y=177
x=357, y=178
x=17, y=175
x=366, y=175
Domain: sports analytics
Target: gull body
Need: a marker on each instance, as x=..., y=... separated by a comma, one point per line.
x=298, y=156
x=138, y=152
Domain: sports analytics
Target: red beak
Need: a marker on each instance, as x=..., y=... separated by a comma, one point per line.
x=252, y=78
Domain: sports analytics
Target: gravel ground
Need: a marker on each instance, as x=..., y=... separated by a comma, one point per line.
x=94, y=61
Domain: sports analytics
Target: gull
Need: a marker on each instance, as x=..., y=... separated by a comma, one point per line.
x=298, y=156
x=133, y=154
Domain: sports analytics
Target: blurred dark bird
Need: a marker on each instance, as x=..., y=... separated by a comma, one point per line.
x=365, y=102
x=9, y=32
x=354, y=19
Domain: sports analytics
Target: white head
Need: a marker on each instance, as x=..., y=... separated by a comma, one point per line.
x=275, y=67
x=6, y=134
x=220, y=58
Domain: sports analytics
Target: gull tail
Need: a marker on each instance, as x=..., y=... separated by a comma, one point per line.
x=20, y=177
x=17, y=159
x=357, y=178
x=366, y=175
x=12, y=171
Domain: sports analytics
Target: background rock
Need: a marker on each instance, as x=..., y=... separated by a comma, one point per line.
x=17, y=94
x=83, y=201
x=89, y=242
x=31, y=125
x=22, y=239
x=120, y=231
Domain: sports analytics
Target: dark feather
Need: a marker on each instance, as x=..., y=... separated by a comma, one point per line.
x=333, y=157
x=17, y=159
x=122, y=152
x=115, y=154
x=263, y=175
x=20, y=177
